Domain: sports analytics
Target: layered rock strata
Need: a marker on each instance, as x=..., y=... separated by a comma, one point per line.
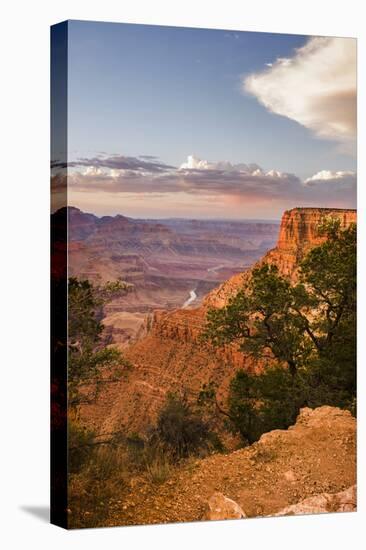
x=171, y=357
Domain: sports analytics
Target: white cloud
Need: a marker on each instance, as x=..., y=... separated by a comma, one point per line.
x=201, y=178
x=330, y=183
x=330, y=175
x=316, y=87
x=92, y=171
x=195, y=163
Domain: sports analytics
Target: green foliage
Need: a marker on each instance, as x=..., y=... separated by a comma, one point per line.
x=181, y=430
x=207, y=394
x=101, y=467
x=263, y=318
x=83, y=302
x=87, y=358
x=260, y=403
x=96, y=466
x=329, y=273
x=305, y=333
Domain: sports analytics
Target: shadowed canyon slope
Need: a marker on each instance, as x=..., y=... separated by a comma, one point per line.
x=171, y=358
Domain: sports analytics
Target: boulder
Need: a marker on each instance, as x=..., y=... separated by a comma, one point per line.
x=220, y=507
x=345, y=501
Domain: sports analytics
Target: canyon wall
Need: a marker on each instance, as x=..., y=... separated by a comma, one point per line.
x=163, y=259
x=299, y=232
x=171, y=357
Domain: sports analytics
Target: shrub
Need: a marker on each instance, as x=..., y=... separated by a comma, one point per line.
x=80, y=448
x=180, y=430
x=159, y=469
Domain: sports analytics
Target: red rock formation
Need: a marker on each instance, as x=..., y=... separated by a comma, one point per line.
x=172, y=358
x=299, y=231
x=164, y=260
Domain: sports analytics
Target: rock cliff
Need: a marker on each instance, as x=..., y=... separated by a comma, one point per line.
x=172, y=358
x=163, y=259
x=299, y=232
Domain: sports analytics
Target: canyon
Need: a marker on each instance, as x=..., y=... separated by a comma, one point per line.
x=169, y=356
x=170, y=263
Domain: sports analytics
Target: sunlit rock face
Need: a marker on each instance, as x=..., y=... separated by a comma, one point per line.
x=170, y=356
x=299, y=232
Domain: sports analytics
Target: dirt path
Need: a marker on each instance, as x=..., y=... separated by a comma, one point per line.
x=316, y=455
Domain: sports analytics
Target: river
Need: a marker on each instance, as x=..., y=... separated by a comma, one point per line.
x=192, y=298
x=215, y=269
x=192, y=294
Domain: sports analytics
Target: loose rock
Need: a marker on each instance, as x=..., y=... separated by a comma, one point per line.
x=220, y=507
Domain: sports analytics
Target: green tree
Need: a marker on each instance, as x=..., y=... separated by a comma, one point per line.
x=263, y=318
x=87, y=357
x=306, y=332
x=260, y=403
x=95, y=463
x=329, y=272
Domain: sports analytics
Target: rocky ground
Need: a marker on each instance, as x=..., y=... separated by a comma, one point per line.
x=317, y=455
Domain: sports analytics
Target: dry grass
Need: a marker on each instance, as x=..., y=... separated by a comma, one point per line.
x=107, y=472
x=91, y=489
x=159, y=470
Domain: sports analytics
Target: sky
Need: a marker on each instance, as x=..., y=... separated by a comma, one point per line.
x=197, y=123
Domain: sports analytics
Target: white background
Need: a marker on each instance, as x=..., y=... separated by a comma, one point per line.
x=24, y=314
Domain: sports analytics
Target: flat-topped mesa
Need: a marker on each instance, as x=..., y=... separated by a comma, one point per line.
x=299, y=232
x=300, y=226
